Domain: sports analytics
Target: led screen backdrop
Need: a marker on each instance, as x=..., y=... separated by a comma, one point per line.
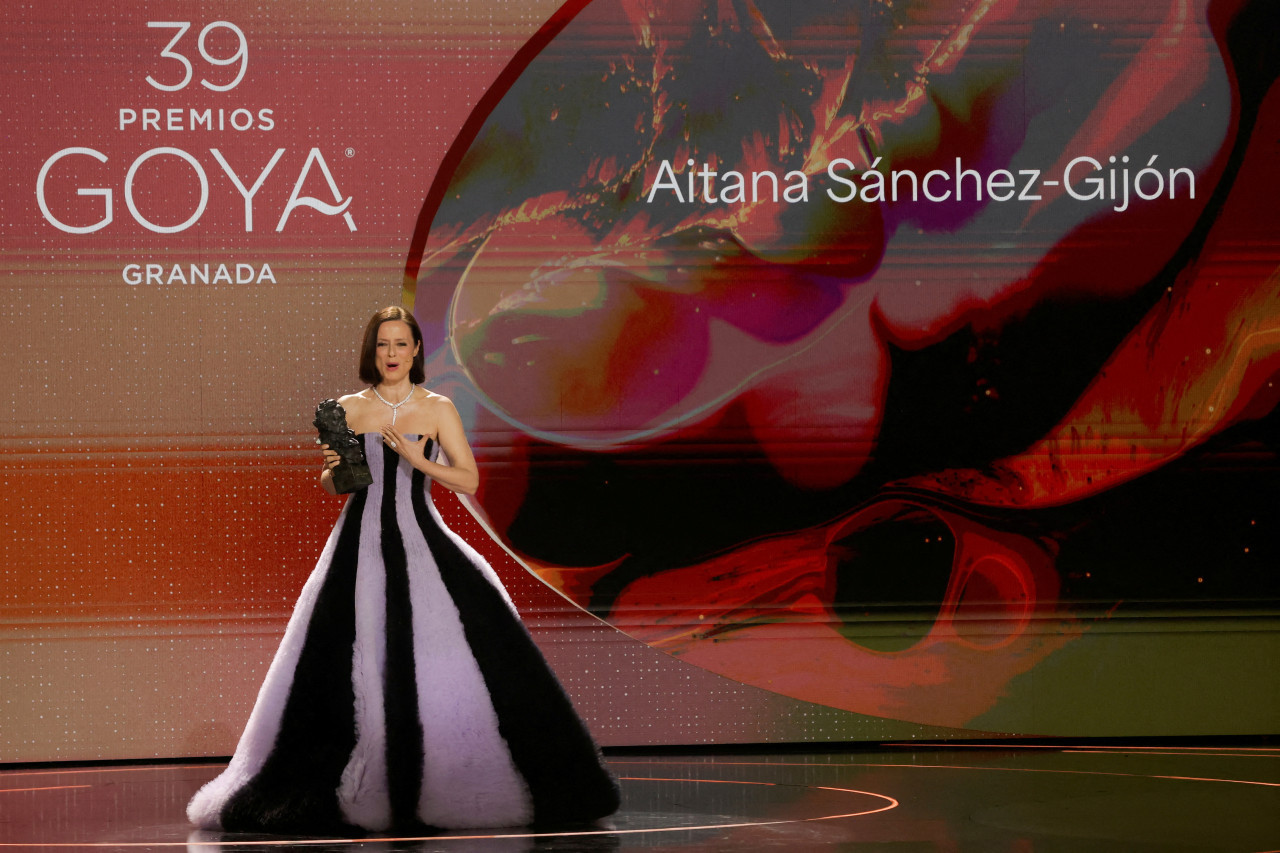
x=836, y=370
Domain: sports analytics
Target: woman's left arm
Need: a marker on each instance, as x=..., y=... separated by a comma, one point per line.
x=461, y=474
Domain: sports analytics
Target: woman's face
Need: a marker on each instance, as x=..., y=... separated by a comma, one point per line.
x=396, y=350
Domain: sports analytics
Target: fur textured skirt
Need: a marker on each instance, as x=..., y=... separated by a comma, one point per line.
x=406, y=692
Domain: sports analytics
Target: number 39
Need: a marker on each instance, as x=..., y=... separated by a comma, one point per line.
x=241, y=55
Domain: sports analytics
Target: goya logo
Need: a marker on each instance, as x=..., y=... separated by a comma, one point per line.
x=82, y=157
x=93, y=174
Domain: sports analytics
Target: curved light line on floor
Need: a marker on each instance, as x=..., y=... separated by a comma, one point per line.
x=966, y=767
x=1067, y=747
x=890, y=803
x=1183, y=754
x=129, y=769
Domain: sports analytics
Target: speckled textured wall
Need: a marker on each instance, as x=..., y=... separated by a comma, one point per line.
x=900, y=465
x=158, y=506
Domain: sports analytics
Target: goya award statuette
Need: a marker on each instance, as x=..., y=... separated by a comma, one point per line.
x=352, y=471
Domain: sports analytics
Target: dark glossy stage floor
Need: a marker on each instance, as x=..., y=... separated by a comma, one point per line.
x=898, y=798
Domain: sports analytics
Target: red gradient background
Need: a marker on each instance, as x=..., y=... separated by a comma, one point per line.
x=725, y=402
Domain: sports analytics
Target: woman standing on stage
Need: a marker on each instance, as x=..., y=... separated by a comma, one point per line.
x=406, y=691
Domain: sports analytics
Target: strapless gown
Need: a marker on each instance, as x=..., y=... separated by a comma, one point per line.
x=406, y=691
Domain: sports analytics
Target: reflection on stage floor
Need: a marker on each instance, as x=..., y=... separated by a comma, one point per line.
x=892, y=797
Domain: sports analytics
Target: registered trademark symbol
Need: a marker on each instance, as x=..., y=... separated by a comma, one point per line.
x=350, y=152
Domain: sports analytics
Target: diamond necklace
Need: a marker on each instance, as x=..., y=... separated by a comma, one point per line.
x=394, y=406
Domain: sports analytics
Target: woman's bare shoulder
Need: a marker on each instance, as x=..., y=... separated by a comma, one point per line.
x=358, y=405
x=440, y=408
x=434, y=399
x=357, y=399
x=361, y=413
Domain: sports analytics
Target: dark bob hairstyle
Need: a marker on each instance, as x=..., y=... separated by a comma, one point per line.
x=369, y=347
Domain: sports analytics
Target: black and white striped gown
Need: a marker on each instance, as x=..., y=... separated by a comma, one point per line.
x=406, y=691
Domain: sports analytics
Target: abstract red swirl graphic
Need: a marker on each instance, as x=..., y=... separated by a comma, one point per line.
x=889, y=452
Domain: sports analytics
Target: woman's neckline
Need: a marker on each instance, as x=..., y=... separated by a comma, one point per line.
x=379, y=432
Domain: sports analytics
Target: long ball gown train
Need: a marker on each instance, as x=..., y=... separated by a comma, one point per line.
x=406, y=691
